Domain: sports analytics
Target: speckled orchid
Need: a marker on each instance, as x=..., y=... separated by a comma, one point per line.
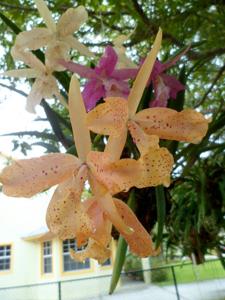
x=58, y=37
x=165, y=86
x=104, y=80
x=88, y=221
x=45, y=84
x=116, y=116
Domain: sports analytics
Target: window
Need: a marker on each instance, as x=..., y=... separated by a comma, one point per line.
x=106, y=263
x=47, y=257
x=68, y=263
x=5, y=257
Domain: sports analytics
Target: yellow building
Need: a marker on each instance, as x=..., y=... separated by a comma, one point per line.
x=34, y=264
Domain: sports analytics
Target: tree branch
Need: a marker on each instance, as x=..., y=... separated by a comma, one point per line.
x=12, y=88
x=219, y=74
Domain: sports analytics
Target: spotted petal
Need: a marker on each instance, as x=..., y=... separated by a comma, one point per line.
x=93, y=250
x=109, y=118
x=187, y=125
x=139, y=240
x=141, y=139
x=101, y=223
x=66, y=214
x=117, y=176
x=27, y=177
x=156, y=168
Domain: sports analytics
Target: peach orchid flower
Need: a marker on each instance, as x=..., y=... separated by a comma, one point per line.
x=58, y=37
x=67, y=215
x=117, y=115
x=45, y=84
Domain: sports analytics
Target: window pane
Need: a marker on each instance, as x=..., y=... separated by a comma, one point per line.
x=47, y=265
x=71, y=265
x=47, y=257
x=5, y=252
x=107, y=262
x=47, y=248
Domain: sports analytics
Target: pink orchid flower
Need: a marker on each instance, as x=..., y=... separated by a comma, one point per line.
x=104, y=80
x=165, y=86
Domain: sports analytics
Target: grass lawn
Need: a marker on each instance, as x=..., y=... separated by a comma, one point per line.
x=190, y=273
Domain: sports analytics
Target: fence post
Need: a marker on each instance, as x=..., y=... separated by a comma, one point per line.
x=59, y=291
x=175, y=282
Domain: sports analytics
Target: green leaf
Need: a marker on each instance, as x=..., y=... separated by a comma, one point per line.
x=50, y=148
x=121, y=250
x=178, y=105
x=10, y=24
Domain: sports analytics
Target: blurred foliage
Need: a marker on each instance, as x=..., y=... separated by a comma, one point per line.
x=132, y=267
x=194, y=205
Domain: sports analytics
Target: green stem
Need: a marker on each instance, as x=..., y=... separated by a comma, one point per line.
x=161, y=213
x=121, y=250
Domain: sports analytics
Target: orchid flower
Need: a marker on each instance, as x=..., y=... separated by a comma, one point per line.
x=138, y=240
x=116, y=116
x=165, y=86
x=67, y=215
x=104, y=80
x=45, y=84
x=123, y=60
x=57, y=37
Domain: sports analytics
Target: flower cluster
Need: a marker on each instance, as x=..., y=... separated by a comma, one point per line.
x=90, y=221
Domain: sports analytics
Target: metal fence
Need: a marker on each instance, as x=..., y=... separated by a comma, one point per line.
x=177, y=282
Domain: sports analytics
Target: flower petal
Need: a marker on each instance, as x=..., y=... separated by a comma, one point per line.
x=162, y=93
x=93, y=91
x=124, y=61
x=75, y=44
x=33, y=39
x=77, y=113
x=115, y=145
x=55, y=51
x=27, y=73
x=187, y=125
x=81, y=48
x=143, y=76
x=116, y=88
x=83, y=71
x=141, y=139
x=173, y=61
x=116, y=176
x=125, y=73
x=107, y=62
x=156, y=167
x=35, y=96
x=173, y=84
x=105, y=202
x=45, y=14
x=66, y=215
x=71, y=20
x=93, y=250
x=43, y=87
x=102, y=225
x=139, y=240
x=28, y=58
x=109, y=118
x=27, y=177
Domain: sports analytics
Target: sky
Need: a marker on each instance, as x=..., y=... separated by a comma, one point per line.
x=14, y=117
x=18, y=213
